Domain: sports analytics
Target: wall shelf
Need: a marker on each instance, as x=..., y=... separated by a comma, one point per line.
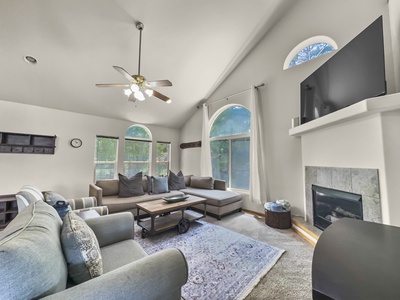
x=357, y=110
x=27, y=143
x=8, y=209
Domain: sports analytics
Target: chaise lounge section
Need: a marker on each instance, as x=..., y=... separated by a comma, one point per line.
x=220, y=201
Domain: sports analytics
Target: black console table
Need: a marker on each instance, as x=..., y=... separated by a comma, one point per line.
x=356, y=259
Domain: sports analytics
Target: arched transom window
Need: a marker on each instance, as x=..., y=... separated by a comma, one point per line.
x=230, y=146
x=308, y=50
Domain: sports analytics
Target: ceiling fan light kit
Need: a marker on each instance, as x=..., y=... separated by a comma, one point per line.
x=138, y=83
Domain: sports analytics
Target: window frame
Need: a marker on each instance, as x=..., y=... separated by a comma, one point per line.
x=229, y=138
x=96, y=163
x=145, y=140
x=163, y=162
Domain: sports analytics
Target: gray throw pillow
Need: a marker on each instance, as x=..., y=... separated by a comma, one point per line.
x=52, y=197
x=202, y=182
x=176, y=181
x=129, y=187
x=149, y=185
x=160, y=185
x=81, y=249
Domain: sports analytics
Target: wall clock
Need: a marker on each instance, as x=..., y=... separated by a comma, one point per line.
x=76, y=143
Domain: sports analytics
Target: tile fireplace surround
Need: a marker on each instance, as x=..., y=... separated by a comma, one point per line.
x=359, y=181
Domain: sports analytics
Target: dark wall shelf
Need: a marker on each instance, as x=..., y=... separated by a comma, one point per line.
x=27, y=143
x=8, y=209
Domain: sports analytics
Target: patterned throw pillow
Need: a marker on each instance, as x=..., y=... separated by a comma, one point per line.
x=176, y=182
x=52, y=197
x=159, y=185
x=81, y=249
x=129, y=187
x=28, y=194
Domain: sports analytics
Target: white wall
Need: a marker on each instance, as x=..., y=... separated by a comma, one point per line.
x=394, y=12
x=69, y=171
x=341, y=20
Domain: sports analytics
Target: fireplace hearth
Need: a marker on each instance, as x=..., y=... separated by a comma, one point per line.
x=331, y=205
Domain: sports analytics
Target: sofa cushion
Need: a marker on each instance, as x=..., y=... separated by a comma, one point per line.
x=129, y=187
x=149, y=185
x=33, y=192
x=214, y=197
x=110, y=187
x=120, y=254
x=27, y=195
x=52, y=197
x=159, y=185
x=202, y=182
x=81, y=249
x=117, y=204
x=31, y=258
x=176, y=181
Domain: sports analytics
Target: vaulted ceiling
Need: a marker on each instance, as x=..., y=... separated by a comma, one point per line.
x=194, y=44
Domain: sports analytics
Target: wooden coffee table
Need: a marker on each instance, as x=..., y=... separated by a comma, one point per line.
x=164, y=215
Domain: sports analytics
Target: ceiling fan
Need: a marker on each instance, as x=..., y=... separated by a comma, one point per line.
x=139, y=86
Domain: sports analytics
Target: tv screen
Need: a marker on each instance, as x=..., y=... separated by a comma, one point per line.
x=354, y=73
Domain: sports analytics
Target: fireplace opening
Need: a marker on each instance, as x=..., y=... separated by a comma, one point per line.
x=331, y=205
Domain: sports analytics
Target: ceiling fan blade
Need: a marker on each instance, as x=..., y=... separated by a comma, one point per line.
x=156, y=83
x=124, y=73
x=112, y=85
x=160, y=96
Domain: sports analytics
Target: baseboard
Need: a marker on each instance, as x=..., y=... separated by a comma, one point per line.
x=305, y=233
x=253, y=212
x=297, y=227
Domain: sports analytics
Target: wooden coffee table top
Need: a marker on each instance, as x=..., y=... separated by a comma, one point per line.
x=156, y=207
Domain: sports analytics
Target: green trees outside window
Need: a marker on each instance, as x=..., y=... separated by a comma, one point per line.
x=230, y=147
x=163, y=157
x=105, y=158
x=137, y=151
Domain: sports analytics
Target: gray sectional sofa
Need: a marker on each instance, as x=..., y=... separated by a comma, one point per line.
x=33, y=260
x=107, y=193
x=220, y=201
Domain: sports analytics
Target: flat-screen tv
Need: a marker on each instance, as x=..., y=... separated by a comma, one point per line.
x=354, y=73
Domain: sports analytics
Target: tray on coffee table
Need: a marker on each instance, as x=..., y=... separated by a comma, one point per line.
x=175, y=198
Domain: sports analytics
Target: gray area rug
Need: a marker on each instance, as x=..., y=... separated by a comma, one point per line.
x=222, y=263
x=290, y=278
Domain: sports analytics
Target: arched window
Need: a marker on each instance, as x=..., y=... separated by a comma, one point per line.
x=137, y=150
x=308, y=50
x=230, y=146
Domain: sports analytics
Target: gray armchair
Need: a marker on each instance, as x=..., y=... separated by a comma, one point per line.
x=33, y=265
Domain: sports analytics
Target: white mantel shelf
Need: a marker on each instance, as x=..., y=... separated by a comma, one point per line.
x=357, y=110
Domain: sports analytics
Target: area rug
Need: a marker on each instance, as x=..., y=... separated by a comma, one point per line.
x=223, y=264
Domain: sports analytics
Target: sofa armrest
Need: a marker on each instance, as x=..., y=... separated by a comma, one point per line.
x=101, y=210
x=110, y=229
x=158, y=276
x=95, y=191
x=219, y=185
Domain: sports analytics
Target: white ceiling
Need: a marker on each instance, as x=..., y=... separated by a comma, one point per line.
x=194, y=44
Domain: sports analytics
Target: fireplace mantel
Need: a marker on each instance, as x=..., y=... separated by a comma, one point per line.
x=363, y=108
x=364, y=135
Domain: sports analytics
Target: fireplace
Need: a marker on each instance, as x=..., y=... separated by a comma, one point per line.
x=330, y=205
